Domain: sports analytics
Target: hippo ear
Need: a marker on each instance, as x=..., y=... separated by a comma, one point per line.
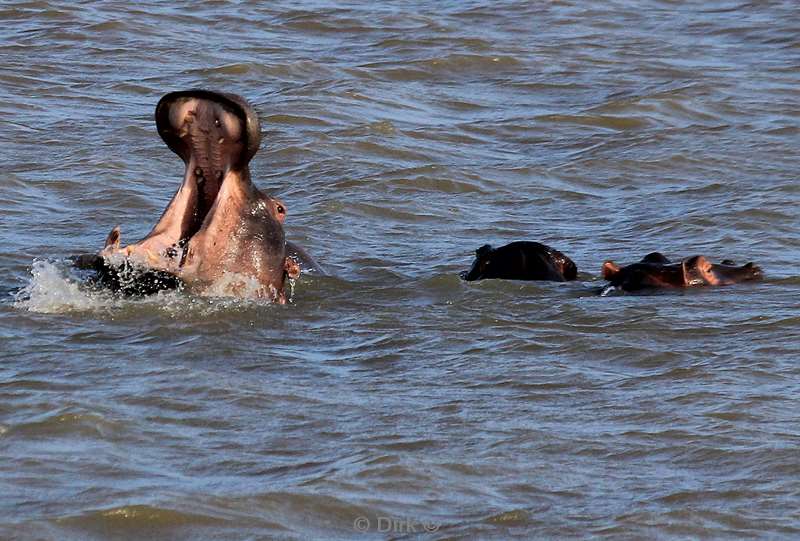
x=610, y=270
x=174, y=108
x=112, y=240
x=696, y=271
x=483, y=250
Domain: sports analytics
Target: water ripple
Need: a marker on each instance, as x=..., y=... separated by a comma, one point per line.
x=392, y=395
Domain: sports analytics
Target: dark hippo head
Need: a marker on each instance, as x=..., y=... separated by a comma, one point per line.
x=656, y=271
x=521, y=260
x=219, y=233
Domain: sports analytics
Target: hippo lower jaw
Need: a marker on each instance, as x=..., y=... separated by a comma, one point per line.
x=219, y=234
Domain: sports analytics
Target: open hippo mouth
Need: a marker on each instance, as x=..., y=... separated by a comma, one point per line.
x=218, y=227
x=214, y=134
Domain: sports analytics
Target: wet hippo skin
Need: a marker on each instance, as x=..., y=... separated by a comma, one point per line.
x=521, y=260
x=125, y=279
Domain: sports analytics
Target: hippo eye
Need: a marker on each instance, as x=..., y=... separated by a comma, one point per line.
x=280, y=209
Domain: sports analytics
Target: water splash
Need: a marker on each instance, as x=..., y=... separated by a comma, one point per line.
x=609, y=290
x=51, y=290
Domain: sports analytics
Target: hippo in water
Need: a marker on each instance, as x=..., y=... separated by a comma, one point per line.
x=522, y=260
x=656, y=271
x=219, y=235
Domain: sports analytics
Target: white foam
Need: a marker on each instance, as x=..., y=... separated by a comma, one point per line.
x=290, y=289
x=608, y=290
x=51, y=291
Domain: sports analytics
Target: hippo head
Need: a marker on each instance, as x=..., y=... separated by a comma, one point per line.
x=656, y=271
x=480, y=266
x=218, y=226
x=521, y=260
x=699, y=271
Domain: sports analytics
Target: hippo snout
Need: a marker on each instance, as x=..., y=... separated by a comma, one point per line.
x=755, y=270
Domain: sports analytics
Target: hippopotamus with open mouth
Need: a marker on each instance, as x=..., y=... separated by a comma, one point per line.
x=656, y=271
x=219, y=235
x=521, y=260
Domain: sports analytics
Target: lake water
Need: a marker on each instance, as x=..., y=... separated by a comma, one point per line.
x=391, y=399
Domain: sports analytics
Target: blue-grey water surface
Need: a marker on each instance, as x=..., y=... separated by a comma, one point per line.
x=392, y=400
